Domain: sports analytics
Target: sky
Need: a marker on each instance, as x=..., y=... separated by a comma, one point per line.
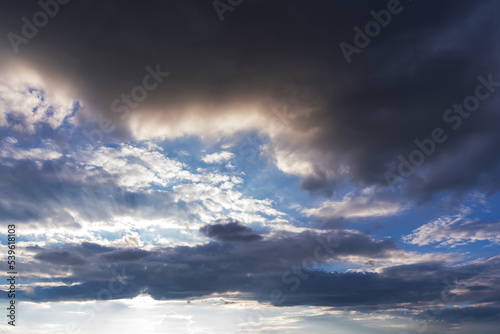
x=250, y=166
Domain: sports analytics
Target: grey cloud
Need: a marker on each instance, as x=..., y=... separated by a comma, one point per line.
x=259, y=267
x=317, y=184
x=256, y=267
x=61, y=257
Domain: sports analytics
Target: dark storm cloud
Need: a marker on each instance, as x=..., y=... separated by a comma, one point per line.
x=36, y=194
x=365, y=114
x=231, y=231
x=256, y=267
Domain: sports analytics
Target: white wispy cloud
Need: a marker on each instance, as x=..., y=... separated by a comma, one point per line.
x=455, y=230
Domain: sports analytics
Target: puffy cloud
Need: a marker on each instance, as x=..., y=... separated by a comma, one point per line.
x=252, y=270
x=63, y=257
x=25, y=104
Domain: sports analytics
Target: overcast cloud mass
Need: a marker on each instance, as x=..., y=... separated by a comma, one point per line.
x=237, y=166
